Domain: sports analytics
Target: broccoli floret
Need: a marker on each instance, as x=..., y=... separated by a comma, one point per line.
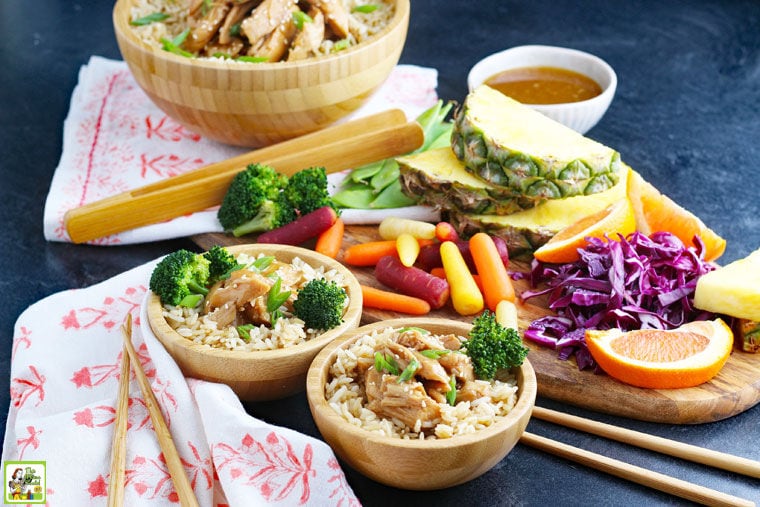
x=181, y=278
x=221, y=263
x=320, y=304
x=307, y=191
x=493, y=347
x=254, y=203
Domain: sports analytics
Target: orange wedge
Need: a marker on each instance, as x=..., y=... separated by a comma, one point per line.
x=687, y=356
x=563, y=247
x=658, y=212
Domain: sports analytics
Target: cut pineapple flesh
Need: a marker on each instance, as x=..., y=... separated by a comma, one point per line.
x=511, y=145
x=732, y=290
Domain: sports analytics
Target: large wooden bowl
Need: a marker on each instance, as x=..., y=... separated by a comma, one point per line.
x=258, y=104
x=416, y=464
x=257, y=375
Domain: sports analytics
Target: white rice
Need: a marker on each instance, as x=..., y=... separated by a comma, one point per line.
x=362, y=26
x=347, y=397
x=287, y=331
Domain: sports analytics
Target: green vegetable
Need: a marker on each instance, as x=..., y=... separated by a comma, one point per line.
x=306, y=191
x=320, y=304
x=181, y=278
x=150, y=18
x=377, y=185
x=493, y=347
x=175, y=45
x=386, y=363
x=300, y=17
x=451, y=396
x=254, y=201
x=262, y=263
x=252, y=59
x=434, y=354
x=235, y=30
x=340, y=45
x=221, y=264
x=275, y=299
x=365, y=9
x=413, y=328
x=244, y=332
x=408, y=372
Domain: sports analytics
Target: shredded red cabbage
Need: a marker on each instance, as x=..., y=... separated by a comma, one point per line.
x=633, y=282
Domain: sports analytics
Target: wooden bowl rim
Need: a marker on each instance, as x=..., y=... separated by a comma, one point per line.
x=122, y=28
x=315, y=380
x=351, y=317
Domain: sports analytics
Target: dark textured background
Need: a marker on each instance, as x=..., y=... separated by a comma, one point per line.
x=686, y=115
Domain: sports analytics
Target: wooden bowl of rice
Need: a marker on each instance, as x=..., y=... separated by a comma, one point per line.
x=258, y=375
x=409, y=462
x=257, y=104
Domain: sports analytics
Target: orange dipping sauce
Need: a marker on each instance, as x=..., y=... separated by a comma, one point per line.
x=544, y=85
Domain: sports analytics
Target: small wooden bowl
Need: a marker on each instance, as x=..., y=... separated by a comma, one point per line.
x=416, y=464
x=257, y=375
x=258, y=104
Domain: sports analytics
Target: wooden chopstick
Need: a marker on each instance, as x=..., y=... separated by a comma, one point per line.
x=119, y=443
x=656, y=480
x=681, y=450
x=173, y=462
x=336, y=148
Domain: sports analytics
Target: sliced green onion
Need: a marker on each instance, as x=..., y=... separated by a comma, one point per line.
x=451, y=396
x=174, y=45
x=275, y=299
x=386, y=363
x=235, y=30
x=408, y=371
x=244, y=332
x=434, y=354
x=300, y=17
x=252, y=59
x=413, y=328
x=365, y=9
x=262, y=263
x=340, y=45
x=150, y=18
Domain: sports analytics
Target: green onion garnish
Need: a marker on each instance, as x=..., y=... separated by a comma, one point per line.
x=413, y=328
x=174, y=45
x=262, y=263
x=451, y=396
x=434, y=354
x=340, y=45
x=300, y=17
x=244, y=332
x=150, y=18
x=252, y=59
x=408, y=371
x=191, y=301
x=365, y=9
x=275, y=299
x=385, y=363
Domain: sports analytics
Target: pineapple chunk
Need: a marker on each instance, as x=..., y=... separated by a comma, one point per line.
x=732, y=290
x=509, y=144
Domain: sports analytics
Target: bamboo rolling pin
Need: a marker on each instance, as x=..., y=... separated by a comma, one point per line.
x=336, y=148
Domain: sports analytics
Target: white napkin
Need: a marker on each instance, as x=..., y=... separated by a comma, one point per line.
x=64, y=381
x=115, y=139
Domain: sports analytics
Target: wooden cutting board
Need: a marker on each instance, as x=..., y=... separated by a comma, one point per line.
x=735, y=389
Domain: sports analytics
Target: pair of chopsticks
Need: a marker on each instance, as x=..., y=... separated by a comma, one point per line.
x=343, y=146
x=656, y=480
x=182, y=485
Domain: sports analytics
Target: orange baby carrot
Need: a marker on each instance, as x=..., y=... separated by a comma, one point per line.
x=329, y=242
x=497, y=285
x=367, y=254
x=385, y=300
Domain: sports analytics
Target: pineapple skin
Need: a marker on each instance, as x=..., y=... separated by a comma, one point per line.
x=437, y=178
x=535, y=176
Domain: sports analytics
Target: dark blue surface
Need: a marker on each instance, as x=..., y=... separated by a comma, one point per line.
x=686, y=115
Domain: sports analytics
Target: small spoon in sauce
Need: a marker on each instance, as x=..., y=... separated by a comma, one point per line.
x=544, y=85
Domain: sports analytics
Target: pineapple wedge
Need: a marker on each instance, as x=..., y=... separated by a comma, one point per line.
x=511, y=145
x=438, y=179
x=529, y=229
x=734, y=290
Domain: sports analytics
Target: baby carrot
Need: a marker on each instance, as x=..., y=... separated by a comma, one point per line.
x=386, y=300
x=408, y=248
x=367, y=254
x=392, y=227
x=465, y=295
x=328, y=243
x=441, y=273
x=506, y=314
x=497, y=285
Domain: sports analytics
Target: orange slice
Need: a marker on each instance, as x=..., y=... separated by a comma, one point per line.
x=563, y=247
x=687, y=356
x=658, y=212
